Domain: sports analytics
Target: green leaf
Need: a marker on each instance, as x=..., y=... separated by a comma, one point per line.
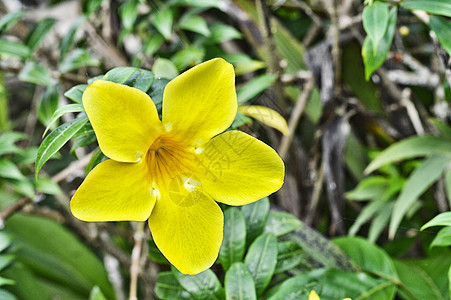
x=234, y=241
x=420, y=180
x=35, y=73
x=7, y=141
x=76, y=59
x=280, y=223
x=157, y=88
x=168, y=288
x=45, y=185
x=222, y=33
x=90, y=6
x=239, y=284
x=442, y=28
x=255, y=87
x=68, y=39
x=194, y=23
x=368, y=257
x=48, y=105
x=261, y=260
x=86, y=136
x=255, y=214
x=380, y=222
x=23, y=186
x=38, y=33
x=97, y=158
x=297, y=287
x=10, y=170
x=5, y=241
x=164, y=68
x=162, y=20
x=5, y=260
x=373, y=54
x=443, y=219
x=56, y=140
x=63, y=110
x=202, y=286
x=289, y=255
x=188, y=57
x=7, y=21
x=420, y=282
x=153, y=44
x=14, y=49
x=96, y=294
x=76, y=93
x=375, y=21
x=443, y=238
x=134, y=77
x=410, y=148
x=369, y=188
x=436, y=7
x=155, y=254
x=5, y=295
x=243, y=63
x=129, y=12
x=366, y=214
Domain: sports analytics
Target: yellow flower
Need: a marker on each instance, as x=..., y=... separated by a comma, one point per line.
x=313, y=295
x=171, y=172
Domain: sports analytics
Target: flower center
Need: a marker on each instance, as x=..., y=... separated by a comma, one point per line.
x=167, y=158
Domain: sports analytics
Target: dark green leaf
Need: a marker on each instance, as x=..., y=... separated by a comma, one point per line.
x=410, y=148
x=442, y=28
x=76, y=59
x=297, y=287
x=54, y=253
x=255, y=87
x=35, y=73
x=255, y=215
x=56, y=140
x=68, y=39
x=14, y=49
x=261, y=260
x=234, y=241
x=374, y=55
x=158, y=89
x=162, y=20
x=289, y=255
x=155, y=254
x=134, y=77
x=436, y=7
x=76, y=93
x=38, y=33
x=202, y=286
x=48, y=105
x=97, y=158
x=420, y=180
x=280, y=223
x=368, y=257
x=168, y=288
x=239, y=284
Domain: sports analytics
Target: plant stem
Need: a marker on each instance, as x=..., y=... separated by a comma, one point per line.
x=136, y=255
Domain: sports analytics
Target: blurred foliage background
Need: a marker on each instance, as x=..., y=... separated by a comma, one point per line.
x=364, y=89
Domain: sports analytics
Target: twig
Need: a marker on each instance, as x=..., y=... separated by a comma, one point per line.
x=70, y=169
x=294, y=118
x=135, y=263
x=317, y=188
x=8, y=212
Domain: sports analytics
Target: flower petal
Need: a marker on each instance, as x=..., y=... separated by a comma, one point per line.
x=201, y=102
x=236, y=169
x=187, y=228
x=115, y=191
x=124, y=119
